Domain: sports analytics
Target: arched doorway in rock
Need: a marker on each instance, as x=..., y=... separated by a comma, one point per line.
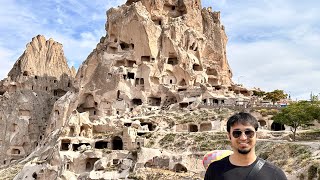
x=193, y=128
x=179, y=168
x=151, y=126
x=90, y=163
x=262, y=123
x=117, y=143
x=277, y=127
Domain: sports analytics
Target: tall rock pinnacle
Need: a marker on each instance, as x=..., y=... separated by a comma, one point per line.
x=41, y=58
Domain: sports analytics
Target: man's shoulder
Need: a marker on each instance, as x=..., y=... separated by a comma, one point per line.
x=271, y=168
x=220, y=163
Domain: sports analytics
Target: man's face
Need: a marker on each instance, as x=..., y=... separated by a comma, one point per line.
x=243, y=138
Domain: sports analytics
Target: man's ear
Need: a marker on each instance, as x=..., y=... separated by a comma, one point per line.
x=229, y=136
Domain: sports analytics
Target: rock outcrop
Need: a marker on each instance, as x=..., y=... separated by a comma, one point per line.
x=156, y=56
x=39, y=77
x=41, y=58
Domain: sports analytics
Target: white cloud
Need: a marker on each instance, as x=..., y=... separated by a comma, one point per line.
x=273, y=44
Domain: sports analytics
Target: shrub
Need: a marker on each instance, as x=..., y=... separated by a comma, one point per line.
x=312, y=172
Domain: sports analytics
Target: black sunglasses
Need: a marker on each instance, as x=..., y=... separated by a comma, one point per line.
x=248, y=133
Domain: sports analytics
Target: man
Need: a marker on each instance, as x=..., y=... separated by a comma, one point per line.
x=242, y=129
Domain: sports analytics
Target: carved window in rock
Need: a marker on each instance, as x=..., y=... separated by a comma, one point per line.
x=193, y=47
x=139, y=81
x=137, y=102
x=277, y=127
x=117, y=143
x=218, y=87
x=120, y=63
x=193, y=128
x=130, y=75
x=59, y=92
x=179, y=168
x=126, y=47
x=145, y=58
x=151, y=126
x=65, y=143
x=14, y=127
x=34, y=175
x=25, y=73
x=89, y=166
x=101, y=145
x=127, y=124
x=196, y=67
x=130, y=63
x=157, y=21
x=75, y=147
x=262, y=123
x=154, y=101
x=71, y=132
x=173, y=60
x=118, y=95
x=183, y=105
x=68, y=166
x=15, y=151
x=175, y=10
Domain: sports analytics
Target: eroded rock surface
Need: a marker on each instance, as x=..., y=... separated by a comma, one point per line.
x=136, y=107
x=39, y=77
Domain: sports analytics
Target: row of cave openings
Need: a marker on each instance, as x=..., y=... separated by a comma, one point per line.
x=274, y=126
x=89, y=162
x=56, y=92
x=208, y=126
x=115, y=144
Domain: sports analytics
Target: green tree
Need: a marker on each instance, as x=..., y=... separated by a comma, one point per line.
x=259, y=93
x=275, y=95
x=298, y=114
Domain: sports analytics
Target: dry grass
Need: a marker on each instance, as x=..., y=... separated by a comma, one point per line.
x=10, y=172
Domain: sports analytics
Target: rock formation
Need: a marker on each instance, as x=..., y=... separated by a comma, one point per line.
x=39, y=77
x=127, y=111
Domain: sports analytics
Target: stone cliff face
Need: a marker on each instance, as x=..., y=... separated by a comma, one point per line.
x=157, y=55
x=39, y=77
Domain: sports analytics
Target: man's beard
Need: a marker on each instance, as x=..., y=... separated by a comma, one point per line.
x=244, y=151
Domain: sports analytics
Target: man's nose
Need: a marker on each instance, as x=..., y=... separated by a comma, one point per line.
x=243, y=136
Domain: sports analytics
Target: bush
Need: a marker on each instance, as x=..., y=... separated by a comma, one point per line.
x=312, y=171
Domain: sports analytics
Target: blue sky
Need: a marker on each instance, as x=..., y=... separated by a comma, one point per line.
x=273, y=44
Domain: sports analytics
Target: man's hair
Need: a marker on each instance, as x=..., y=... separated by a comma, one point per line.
x=242, y=118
